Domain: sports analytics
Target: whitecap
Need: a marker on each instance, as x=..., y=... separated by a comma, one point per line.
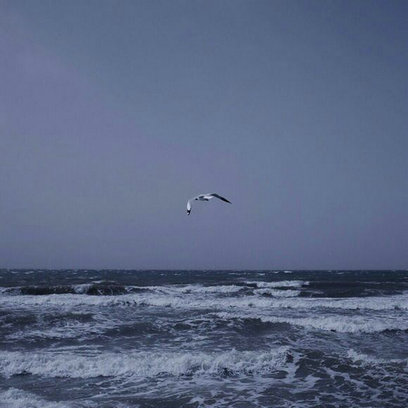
x=15, y=398
x=371, y=360
x=337, y=323
x=141, y=364
x=279, y=284
x=195, y=301
x=277, y=292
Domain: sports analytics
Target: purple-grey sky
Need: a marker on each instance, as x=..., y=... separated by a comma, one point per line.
x=114, y=113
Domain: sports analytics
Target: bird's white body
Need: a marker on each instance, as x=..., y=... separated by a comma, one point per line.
x=204, y=197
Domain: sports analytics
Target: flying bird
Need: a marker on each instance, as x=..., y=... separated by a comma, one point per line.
x=204, y=197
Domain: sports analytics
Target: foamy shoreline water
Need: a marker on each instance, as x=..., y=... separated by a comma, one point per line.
x=196, y=339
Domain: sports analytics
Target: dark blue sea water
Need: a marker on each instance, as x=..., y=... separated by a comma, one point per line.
x=120, y=339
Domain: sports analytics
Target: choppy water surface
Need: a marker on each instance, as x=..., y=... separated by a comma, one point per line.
x=203, y=339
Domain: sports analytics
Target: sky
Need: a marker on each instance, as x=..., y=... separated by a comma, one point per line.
x=114, y=113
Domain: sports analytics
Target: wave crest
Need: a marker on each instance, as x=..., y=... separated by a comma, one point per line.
x=142, y=364
x=365, y=359
x=341, y=324
x=15, y=398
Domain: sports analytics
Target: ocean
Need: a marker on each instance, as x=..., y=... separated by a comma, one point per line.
x=163, y=339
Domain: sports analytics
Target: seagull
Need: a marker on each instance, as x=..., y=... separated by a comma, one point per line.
x=204, y=197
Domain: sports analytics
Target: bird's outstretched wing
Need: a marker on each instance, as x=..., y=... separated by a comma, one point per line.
x=220, y=197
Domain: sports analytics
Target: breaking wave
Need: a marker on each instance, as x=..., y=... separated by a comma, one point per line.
x=192, y=301
x=142, y=364
x=335, y=323
x=279, y=284
x=370, y=360
x=15, y=398
x=112, y=289
x=277, y=293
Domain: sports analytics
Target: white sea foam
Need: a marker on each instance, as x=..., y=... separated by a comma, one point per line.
x=200, y=289
x=279, y=284
x=63, y=330
x=173, y=289
x=82, y=288
x=264, y=288
x=277, y=292
x=204, y=301
x=4, y=290
x=15, y=398
x=141, y=364
x=338, y=323
x=371, y=360
x=343, y=324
